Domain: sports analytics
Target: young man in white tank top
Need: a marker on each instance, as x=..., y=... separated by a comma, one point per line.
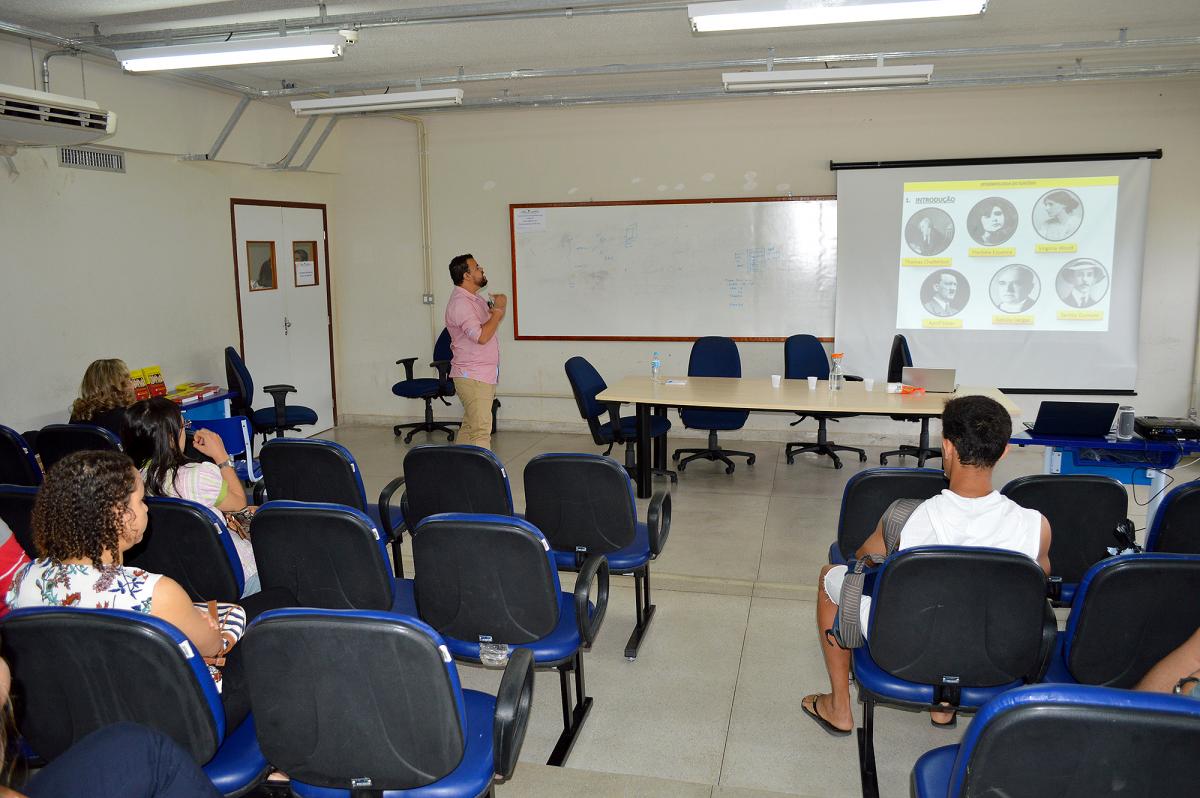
x=975, y=433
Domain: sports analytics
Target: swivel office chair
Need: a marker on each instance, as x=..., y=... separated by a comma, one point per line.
x=270, y=419
x=899, y=358
x=713, y=356
x=804, y=357
x=428, y=389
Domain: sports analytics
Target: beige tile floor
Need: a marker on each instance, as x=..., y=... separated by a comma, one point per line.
x=711, y=706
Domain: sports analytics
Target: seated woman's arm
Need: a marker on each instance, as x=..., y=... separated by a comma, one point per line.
x=209, y=443
x=173, y=605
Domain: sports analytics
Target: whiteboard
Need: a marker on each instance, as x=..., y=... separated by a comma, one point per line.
x=759, y=269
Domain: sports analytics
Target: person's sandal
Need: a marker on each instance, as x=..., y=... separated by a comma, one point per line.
x=949, y=724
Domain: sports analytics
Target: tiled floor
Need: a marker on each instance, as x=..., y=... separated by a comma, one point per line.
x=711, y=706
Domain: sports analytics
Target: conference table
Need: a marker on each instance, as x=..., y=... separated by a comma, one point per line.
x=757, y=393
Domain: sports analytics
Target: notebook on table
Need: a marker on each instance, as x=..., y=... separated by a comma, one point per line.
x=1073, y=419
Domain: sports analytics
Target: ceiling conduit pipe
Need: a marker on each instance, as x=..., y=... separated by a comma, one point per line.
x=46, y=65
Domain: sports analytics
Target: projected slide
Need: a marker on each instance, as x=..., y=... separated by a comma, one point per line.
x=1022, y=254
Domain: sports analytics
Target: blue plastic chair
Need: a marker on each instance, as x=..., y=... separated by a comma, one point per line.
x=428, y=389
x=584, y=505
x=804, y=357
x=281, y=416
x=66, y=662
x=867, y=496
x=1129, y=613
x=190, y=543
x=492, y=579
x=440, y=478
x=1176, y=526
x=17, y=463
x=1061, y=741
x=393, y=718
x=713, y=356
x=16, y=508
x=56, y=441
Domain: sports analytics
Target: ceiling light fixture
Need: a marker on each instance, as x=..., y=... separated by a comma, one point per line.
x=308, y=47
x=750, y=14
x=851, y=77
x=371, y=103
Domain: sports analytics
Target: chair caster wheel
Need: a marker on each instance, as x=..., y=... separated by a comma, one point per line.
x=862, y=458
x=675, y=457
x=396, y=431
x=682, y=467
x=750, y=460
x=882, y=460
x=791, y=459
x=728, y=469
x=449, y=437
x=837, y=463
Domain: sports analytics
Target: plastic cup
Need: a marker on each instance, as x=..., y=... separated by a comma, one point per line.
x=812, y=383
x=869, y=383
x=776, y=379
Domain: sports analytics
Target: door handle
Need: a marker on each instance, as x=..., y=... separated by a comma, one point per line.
x=286, y=325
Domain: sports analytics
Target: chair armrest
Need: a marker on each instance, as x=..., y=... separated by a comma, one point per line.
x=443, y=370
x=1048, y=645
x=404, y=510
x=408, y=367
x=594, y=567
x=259, y=492
x=514, y=700
x=385, y=508
x=279, y=389
x=614, y=419
x=658, y=521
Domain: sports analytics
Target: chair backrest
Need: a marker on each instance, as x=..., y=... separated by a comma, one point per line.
x=311, y=470
x=580, y=502
x=481, y=576
x=78, y=670
x=899, y=357
x=326, y=555
x=1129, y=613
x=803, y=357
x=1083, y=511
x=869, y=493
x=1176, y=526
x=17, y=464
x=956, y=611
x=586, y=383
x=16, y=508
x=714, y=356
x=238, y=437
x=1051, y=741
x=390, y=705
x=56, y=441
x=442, y=478
x=240, y=383
x=441, y=349
x=189, y=543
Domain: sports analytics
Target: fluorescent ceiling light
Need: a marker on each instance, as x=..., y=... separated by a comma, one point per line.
x=749, y=14
x=370, y=103
x=245, y=51
x=827, y=78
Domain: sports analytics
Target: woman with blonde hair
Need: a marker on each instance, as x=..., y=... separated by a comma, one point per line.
x=104, y=394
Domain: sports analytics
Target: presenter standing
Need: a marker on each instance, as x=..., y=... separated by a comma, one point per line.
x=475, y=363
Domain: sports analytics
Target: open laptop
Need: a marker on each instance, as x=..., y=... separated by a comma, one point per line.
x=1073, y=419
x=932, y=380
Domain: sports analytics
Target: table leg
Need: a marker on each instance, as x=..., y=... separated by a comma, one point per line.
x=660, y=443
x=643, y=451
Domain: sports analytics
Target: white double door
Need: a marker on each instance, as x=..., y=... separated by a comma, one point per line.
x=283, y=301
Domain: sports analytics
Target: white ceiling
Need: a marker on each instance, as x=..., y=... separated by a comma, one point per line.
x=397, y=55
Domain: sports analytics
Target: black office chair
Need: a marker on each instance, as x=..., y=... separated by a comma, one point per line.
x=59, y=440
x=440, y=478
x=316, y=470
x=492, y=579
x=428, y=389
x=269, y=420
x=897, y=360
x=1060, y=741
x=1083, y=511
x=359, y=704
x=189, y=543
x=867, y=496
x=1176, y=525
x=804, y=357
x=584, y=505
x=78, y=670
x=17, y=463
x=713, y=356
x=950, y=627
x=1129, y=612
x=16, y=508
x=586, y=384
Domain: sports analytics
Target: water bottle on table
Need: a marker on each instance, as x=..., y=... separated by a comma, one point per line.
x=836, y=375
x=655, y=367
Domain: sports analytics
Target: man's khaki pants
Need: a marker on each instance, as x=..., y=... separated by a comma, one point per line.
x=476, y=398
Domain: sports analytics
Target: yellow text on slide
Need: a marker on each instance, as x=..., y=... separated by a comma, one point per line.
x=988, y=185
x=1051, y=248
x=992, y=252
x=1012, y=320
x=1081, y=315
x=926, y=261
x=942, y=324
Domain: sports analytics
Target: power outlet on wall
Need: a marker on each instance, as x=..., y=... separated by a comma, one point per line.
x=427, y=299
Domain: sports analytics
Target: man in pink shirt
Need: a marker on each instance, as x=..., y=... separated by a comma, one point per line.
x=475, y=363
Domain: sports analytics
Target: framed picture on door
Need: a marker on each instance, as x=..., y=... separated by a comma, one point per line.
x=304, y=263
x=260, y=265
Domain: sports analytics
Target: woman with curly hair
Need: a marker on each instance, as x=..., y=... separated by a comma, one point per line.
x=104, y=394
x=155, y=436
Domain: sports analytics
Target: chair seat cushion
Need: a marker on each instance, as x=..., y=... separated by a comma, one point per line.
x=931, y=775
x=1067, y=597
x=894, y=690
x=238, y=763
x=471, y=777
x=658, y=426
x=405, y=601
x=558, y=646
x=294, y=416
x=623, y=560
x=418, y=389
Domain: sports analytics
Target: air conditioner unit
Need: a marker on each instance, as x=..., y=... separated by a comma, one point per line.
x=32, y=118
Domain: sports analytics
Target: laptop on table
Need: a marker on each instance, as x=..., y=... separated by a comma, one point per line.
x=932, y=380
x=1073, y=419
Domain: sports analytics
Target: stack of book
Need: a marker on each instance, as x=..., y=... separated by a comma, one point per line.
x=187, y=393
